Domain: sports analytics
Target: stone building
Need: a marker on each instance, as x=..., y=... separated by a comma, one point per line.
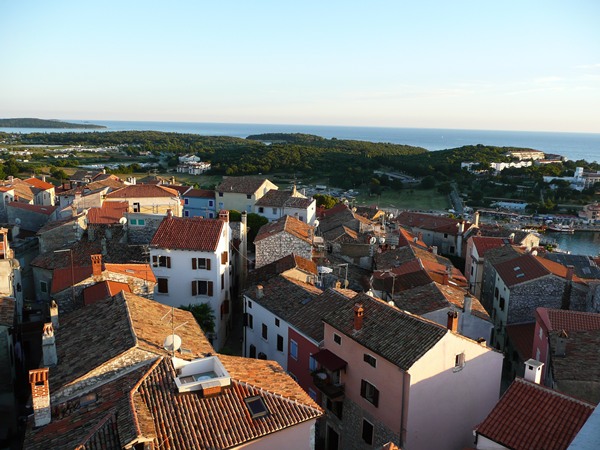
x=283, y=237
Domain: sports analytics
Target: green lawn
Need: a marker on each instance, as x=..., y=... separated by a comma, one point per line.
x=419, y=199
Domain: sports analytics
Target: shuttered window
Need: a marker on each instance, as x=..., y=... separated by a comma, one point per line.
x=200, y=264
x=224, y=258
x=202, y=287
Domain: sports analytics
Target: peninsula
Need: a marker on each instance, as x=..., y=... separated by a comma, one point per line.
x=43, y=123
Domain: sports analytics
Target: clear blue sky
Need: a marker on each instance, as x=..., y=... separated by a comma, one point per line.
x=511, y=65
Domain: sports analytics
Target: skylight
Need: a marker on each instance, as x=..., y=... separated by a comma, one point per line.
x=517, y=268
x=256, y=406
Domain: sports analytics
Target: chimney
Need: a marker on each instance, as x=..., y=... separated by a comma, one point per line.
x=477, y=219
x=224, y=215
x=10, y=178
x=452, y=321
x=415, y=239
x=570, y=272
x=96, y=265
x=461, y=227
x=40, y=395
x=560, y=344
x=44, y=178
x=259, y=291
x=91, y=233
x=54, y=314
x=359, y=312
x=169, y=214
x=420, y=235
x=434, y=249
x=467, y=304
x=445, y=278
x=49, y=345
x=533, y=371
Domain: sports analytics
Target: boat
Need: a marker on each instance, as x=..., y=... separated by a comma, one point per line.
x=561, y=228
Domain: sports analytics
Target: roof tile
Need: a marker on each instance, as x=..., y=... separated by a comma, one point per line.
x=188, y=233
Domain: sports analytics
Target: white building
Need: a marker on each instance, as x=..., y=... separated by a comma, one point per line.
x=275, y=204
x=191, y=259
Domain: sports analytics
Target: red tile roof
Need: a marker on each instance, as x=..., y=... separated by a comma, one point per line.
x=405, y=238
x=188, y=233
x=61, y=278
x=141, y=271
x=559, y=319
x=528, y=267
x=143, y=191
x=46, y=210
x=483, y=244
x=440, y=224
x=105, y=289
x=200, y=193
x=40, y=184
x=286, y=224
x=530, y=416
x=109, y=213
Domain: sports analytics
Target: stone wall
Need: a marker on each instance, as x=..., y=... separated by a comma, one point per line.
x=142, y=234
x=526, y=297
x=29, y=220
x=279, y=245
x=62, y=236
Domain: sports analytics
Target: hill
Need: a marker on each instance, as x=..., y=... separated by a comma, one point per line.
x=43, y=123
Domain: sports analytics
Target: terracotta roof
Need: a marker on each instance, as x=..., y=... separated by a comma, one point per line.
x=7, y=311
x=6, y=188
x=46, y=210
x=529, y=267
x=483, y=244
x=241, y=185
x=406, y=238
x=23, y=191
x=440, y=224
x=530, y=416
x=282, y=265
x=521, y=336
x=559, y=319
x=282, y=199
x=200, y=193
x=141, y=271
x=188, y=233
x=287, y=224
x=143, y=191
x=40, y=184
x=109, y=213
x=183, y=421
x=102, y=290
x=398, y=336
x=584, y=266
x=61, y=278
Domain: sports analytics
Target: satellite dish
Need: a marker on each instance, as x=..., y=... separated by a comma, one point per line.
x=316, y=223
x=172, y=343
x=18, y=221
x=372, y=240
x=123, y=220
x=381, y=240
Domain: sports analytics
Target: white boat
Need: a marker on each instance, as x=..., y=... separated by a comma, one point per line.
x=561, y=228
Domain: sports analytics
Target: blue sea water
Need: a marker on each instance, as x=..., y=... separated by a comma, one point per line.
x=574, y=146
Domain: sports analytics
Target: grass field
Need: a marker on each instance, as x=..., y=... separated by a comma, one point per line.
x=417, y=199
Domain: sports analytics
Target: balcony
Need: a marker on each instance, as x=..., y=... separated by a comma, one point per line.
x=324, y=382
x=328, y=378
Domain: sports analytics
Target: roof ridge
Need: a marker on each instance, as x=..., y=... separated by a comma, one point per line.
x=129, y=321
x=553, y=392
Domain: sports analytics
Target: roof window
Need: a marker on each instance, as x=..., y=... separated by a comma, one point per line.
x=256, y=406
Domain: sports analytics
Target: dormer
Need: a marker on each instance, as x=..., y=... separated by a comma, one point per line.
x=206, y=375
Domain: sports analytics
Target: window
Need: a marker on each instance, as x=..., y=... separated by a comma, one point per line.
x=261, y=209
x=294, y=377
x=445, y=235
x=496, y=292
x=276, y=322
x=163, y=285
x=186, y=213
x=249, y=304
x=161, y=261
x=274, y=210
x=369, y=392
x=222, y=281
x=186, y=201
x=43, y=287
x=252, y=351
x=312, y=363
x=459, y=361
x=502, y=302
x=279, y=343
x=202, y=287
x=200, y=263
x=337, y=339
x=370, y=360
x=248, y=196
x=220, y=194
x=211, y=203
x=265, y=331
x=136, y=207
x=137, y=222
x=248, y=320
x=211, y=216
x=367, y=432
x=293, y=349
x=256, y=406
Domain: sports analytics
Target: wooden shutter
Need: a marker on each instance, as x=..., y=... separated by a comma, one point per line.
x=194, y=288
x=363, y=388
x=194, y=264
x=209, y=289
x=207, y=264
x=224, y=258
x=154, y=260
x=168, y=262
x=375, y=396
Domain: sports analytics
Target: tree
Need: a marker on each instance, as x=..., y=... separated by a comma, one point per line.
x=327, y=201
x=428, y=182
x=204, y=315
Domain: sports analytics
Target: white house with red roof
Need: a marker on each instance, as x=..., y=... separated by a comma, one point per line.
x=148, y=199
x=191, y=259
x=44, y=194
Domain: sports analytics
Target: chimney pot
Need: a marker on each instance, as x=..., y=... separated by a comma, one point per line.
x=40, y=395
x=359, y=312
x=452, y=323
x=533, y=371
x=467, y=304
x=96, y=265
x=169, y=213
x=224, y=215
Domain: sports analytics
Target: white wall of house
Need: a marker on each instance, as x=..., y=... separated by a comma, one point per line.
x=257, y=316
x=180, y=275
x=152, y=205
x=298, y=437
x=307, y=215
x=484, y=443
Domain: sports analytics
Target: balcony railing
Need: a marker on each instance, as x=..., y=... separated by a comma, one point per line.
x=324, y=383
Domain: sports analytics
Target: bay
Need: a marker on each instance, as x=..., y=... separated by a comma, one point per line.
x=578, y=243
x=574, y=146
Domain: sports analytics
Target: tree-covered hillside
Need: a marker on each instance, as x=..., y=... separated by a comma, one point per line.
x=43, y=123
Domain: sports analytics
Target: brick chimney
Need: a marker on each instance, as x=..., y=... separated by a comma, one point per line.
x=49, y=345
x=452, y=321
x=533, y=371
x=40, y=395
x=224, y=215
x=96, y=265
x=54, y=314
x=169, y=213
x=359, y=312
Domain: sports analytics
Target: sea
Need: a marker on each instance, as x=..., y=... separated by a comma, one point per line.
x=574, y=146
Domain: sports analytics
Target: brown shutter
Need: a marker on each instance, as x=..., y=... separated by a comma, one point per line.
x=375, y=396
x=193, y=263
x=210, y=288
x=224, y=258
x=194, y=288
x=168, y=262
x=207, y=264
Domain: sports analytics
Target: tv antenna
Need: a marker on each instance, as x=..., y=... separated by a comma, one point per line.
x=172, y=342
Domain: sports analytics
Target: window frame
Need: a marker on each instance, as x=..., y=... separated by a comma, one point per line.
x=197, y=291
x=293, y=349
x=280, y=343
x=367, y=438
x=265, y=332
x=369, y=392
x=162, y=285
x=370, y=360
x=337, y=338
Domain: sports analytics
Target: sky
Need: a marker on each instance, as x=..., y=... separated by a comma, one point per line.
x=512, y=65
